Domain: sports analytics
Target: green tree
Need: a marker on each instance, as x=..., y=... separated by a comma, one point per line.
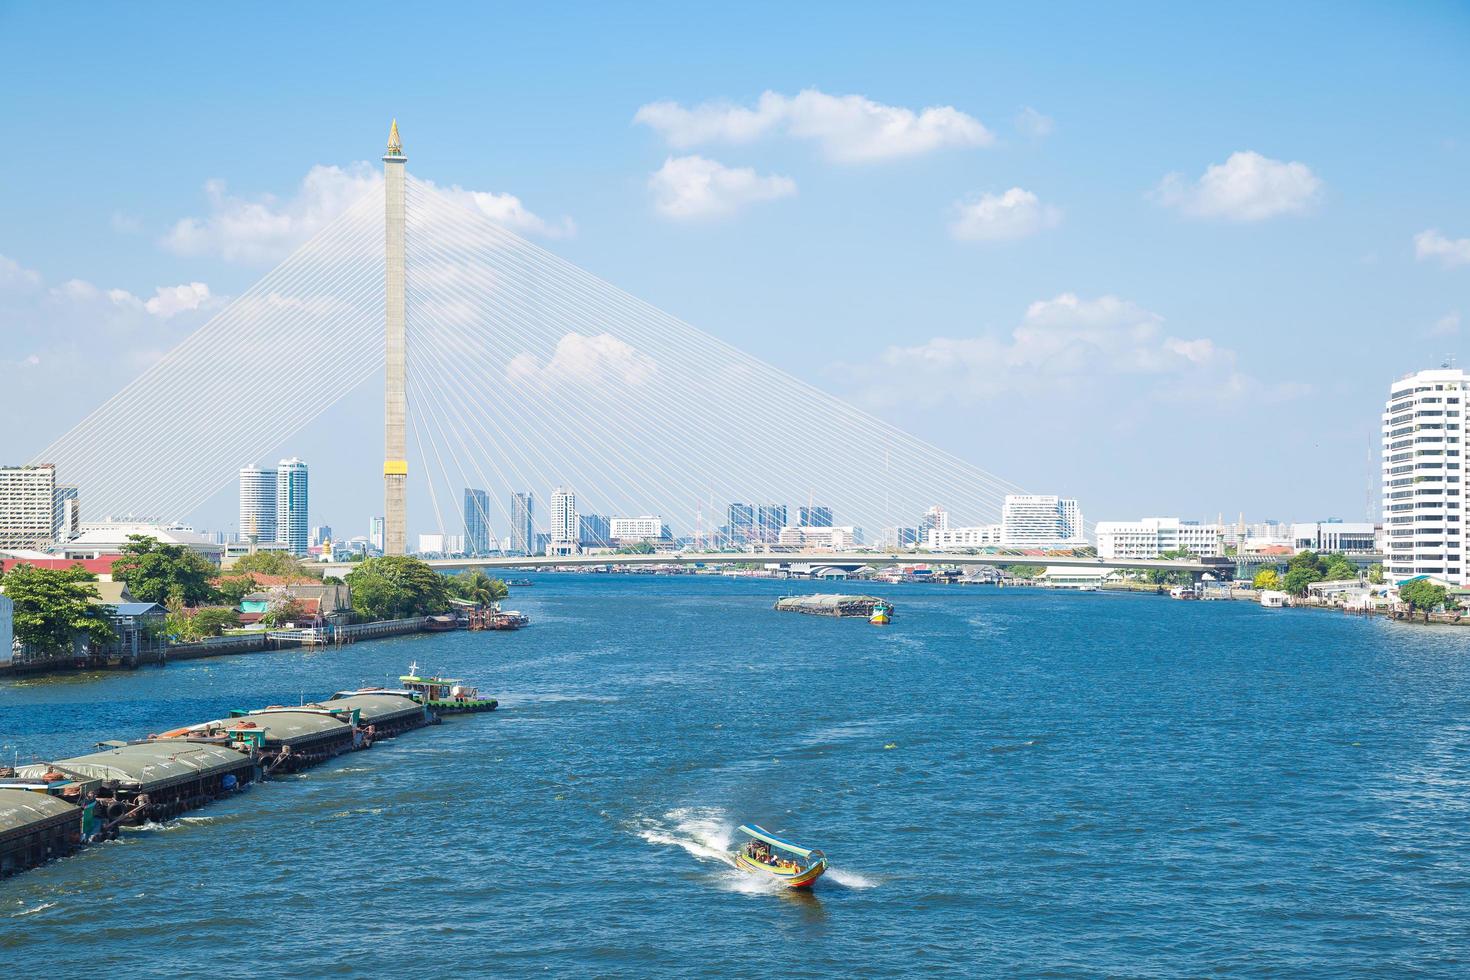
x=1160, y=577
x=641, y=548
x=475, y=586
x=1425, y=596
x=274, y=563
x=1025, y=571
x=282, y=607
x=1375, y=574
x=235, y=588
x=1338, y=567
x=1267, y=578
x=52, y=605
x=153, y=572
x=396, y=587
x=1299, y=577
x=214, y=620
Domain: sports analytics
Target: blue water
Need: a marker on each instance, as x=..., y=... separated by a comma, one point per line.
x=1007, y=782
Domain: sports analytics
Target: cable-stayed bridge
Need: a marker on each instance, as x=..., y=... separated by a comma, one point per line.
x=507, y=369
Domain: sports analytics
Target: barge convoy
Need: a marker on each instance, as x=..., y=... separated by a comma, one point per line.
x=51, y=809
x=877, y=611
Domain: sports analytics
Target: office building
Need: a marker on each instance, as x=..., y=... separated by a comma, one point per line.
x=936, y=518
x=740, y=526
x=257, y=504
x=1037, y=520
x=979, y=536
x=522, y=526
x=894, y=538
x=28, y=506
x=375, y=534
x=816, y=516
x=68, y=514
x=769, y=520
x=292, y=529
x=594, y=531
x=825, y=537
x=1423, y=476
x=563, y=522
x=628, y=530
x=1155, y=536
x=440, y=545
x=320, y=535
x=1348, y=537
x=476, y=523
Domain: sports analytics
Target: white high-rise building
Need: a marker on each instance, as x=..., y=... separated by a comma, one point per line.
x=257, y=504
x=375, y=533
x=1037, y=520
x=1423, y=476
x=564, y=528
x=645, y=528
x=1153, y=536
x=28, y=506
x=292, y=529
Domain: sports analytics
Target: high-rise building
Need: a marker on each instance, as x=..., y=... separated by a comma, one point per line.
x=769, y=520
x=28, y=506
x=522, y=525
x=563, y=522
x=740, y=527
x=645, y=528
x=320, y=535
x=816, y=516
x=936, y=518
x=375, y=534
x=292, y=529
x=257, y=504
x=476, y=523
x=1036, y=520
x=1424, y=489
x=68, y=514
x=593, y=531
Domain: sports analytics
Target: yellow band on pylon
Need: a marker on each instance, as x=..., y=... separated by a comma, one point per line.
x=395, y=467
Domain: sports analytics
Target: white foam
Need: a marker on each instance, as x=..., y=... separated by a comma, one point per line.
x=39, y=908
x=704, y=833
x=849, y=879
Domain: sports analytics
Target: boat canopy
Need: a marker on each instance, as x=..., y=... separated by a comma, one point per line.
x=760, y=833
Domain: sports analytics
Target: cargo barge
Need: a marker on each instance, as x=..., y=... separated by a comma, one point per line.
x=50, y=809
x=869, y=607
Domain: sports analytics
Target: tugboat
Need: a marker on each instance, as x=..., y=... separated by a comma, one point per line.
x=446, y=695
x=882, y=613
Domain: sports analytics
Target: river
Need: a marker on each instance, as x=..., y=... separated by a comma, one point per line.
x=1009, y=782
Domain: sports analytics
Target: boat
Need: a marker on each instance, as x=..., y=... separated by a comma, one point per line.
x=519, y=583
x=830, y=604
x=780, y=860
x=507, y=619
x=882, y=614
x=446, y=695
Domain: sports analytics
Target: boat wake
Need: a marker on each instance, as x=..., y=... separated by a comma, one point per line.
x=849, y=879
x=704, y=833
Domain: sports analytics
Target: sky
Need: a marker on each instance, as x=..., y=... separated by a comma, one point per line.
x=1163, y=258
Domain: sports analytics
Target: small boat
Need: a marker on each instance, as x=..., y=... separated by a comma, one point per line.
x=882, y=614
x=766, y=854
x=446, y=695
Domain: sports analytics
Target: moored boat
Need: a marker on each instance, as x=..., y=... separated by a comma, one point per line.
x=780, y=860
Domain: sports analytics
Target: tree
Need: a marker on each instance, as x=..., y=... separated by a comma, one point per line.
x=282, y=607
x=477, y=587
x=641, y=548
x=1025, y=571
x=51, y=607
x=1160, y=577
x=214, y=620
x=1425, y=596
x=1338, y=567
x=235, y=588
x=153, y=572
x=1299, y=577
x=396, y=587
x=1375, y=574
x=274, y=563
x=1267, y=578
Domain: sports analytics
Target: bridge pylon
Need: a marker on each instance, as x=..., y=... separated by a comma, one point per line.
x=395, y=386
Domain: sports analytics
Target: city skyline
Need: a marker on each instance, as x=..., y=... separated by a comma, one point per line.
x=1132, y=243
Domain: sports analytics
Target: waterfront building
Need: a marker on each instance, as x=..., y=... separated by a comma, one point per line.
x=28, y=506
x=740, y=527
x=1424, y=489
x=292, y=528
x=1154, y=536
x=476, y=523
x=1038, y=520
x=257, y=504
x=594, y=531
x=979, y=536
x=522, y=528
x=628, y=530
x=375, y=534
x=563, y=522
x=815, y=516
x=1348, y=537
x=825, y=537
x=769, y=520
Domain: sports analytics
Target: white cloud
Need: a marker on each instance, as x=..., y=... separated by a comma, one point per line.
x=266, y=229
x=15, y=277
x=1446, y=326
x=1451, y=252
x=694, y=187
x=1097, y=348
x=849, y=128
x=1034, y=124
x=993, y=217
x=1246, y=187
x=586, y=361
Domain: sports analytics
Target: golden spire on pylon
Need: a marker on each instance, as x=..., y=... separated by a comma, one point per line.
x=395, y=145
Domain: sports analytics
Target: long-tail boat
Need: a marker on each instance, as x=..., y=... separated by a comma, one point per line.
x=764, y=853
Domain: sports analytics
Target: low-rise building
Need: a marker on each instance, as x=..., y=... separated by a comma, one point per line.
x=1345, y=536
x=950, y=538
x=624, y=530
x=832, y=538
x=1154, y=536
x=102, y=538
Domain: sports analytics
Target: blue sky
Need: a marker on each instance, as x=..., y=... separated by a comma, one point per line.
x=1225, y=340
